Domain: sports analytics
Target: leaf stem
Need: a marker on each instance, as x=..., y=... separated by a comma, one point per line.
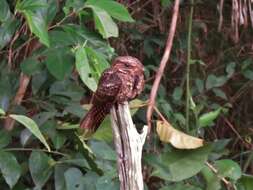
x=33, y=149
x=188, y=93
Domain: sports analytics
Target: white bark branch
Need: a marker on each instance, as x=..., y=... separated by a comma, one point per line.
x=128, y=144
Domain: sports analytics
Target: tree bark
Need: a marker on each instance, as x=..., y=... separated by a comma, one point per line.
x=128, y=144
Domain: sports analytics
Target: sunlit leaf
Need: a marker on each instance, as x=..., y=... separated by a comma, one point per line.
x=32, y=126
x=228, y=168
x=83, y=68
x=10, y=168
x=177, y=138
x=104, y=23
x=115, y=9
x=38, y=26
x=207, y=118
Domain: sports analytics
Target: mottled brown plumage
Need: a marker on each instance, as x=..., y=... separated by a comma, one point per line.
x=123, y=81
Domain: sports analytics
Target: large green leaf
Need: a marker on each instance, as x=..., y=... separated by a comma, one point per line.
x=59, y=63
x=83, y=68
x=30, y=5
x=34, y=12
x=32, y=126
x=41, y=167
x=178, y=164
x=104, y=23
x=115, y=9
x=5, y=13
x=38, y=26
x=10, y=168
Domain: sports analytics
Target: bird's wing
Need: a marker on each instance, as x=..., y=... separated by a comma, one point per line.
x=108, y=88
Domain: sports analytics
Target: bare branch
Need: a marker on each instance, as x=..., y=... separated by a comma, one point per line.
x=163, y=62
x=128, y=144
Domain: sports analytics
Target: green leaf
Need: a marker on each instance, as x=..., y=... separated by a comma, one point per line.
x=218, y=92
x=178, y=164
x=200, y=85
x=6, y=32
x=228, y=168
x=31, y=66
x=2, y=112
x=32, y=126
x=248, y=74
x=246, y=182
x=59, y=182
x=10, y=168
x=97, y=61
x=73, y=178
x=38, y=26
x=115, y=9
x=104, y=132
x=102, y=150
x=59, y=63
x=214, y=81
x=40, y=166
x=177, y=93
x=208, y=118
x=104, y=23
x=5, y=138
x=166, y=3
x=30, y=5
x=5, y=13
x=180, y=186
x=212, y=180
x=230, y=69
x=84, y=70
x=107, y=181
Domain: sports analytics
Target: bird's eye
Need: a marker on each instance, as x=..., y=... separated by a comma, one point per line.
x=126, y=65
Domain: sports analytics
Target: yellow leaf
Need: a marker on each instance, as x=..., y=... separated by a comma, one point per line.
x=177, y=138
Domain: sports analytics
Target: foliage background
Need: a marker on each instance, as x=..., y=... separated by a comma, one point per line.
x=52, y=54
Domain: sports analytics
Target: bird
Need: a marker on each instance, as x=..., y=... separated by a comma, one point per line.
x=123, y=81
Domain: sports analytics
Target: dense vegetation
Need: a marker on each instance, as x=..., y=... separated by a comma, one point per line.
x=52, y=53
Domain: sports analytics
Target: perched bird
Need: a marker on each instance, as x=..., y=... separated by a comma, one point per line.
x=123, y=81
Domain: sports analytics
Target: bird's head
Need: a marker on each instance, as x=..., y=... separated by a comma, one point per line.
x=128, y=64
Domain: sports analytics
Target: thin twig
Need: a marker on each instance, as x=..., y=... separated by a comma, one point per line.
x=188, y=90
x=163, y=62
x=227, y=183
x=33, y=149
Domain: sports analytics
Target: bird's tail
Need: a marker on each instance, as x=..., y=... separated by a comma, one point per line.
x=94, y=118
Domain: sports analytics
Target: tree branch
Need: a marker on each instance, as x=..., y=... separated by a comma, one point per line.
x=163, y=62
x=128, y=144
